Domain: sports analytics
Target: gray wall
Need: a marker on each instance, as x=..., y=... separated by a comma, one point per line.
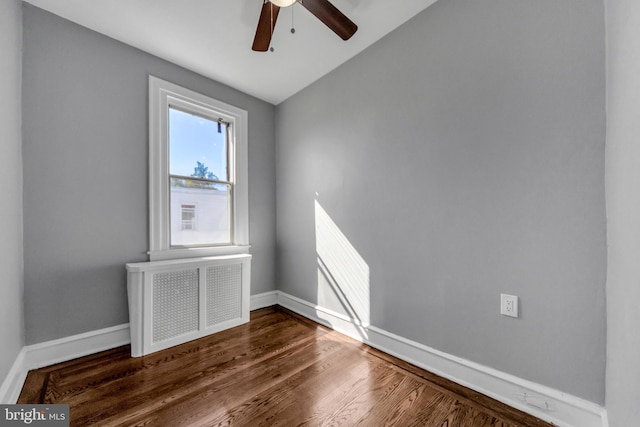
x=462, y=157
x=623, y=212
x=11, y=282
x=85, y=173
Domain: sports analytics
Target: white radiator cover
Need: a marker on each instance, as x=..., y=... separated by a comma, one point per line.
x=175, y=301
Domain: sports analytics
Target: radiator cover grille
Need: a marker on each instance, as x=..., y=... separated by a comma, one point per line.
x=175, y=304
x=223, y=293
x=171, y=302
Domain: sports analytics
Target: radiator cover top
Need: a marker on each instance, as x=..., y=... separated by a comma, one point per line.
x=175, y=301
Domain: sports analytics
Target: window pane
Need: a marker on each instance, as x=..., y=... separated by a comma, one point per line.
x=196, y=148
x=199, y=213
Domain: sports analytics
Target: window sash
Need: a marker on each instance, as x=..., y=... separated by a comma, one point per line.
x=212, y=116
x=210, y=186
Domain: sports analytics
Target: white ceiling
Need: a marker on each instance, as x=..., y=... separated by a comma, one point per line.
x=214, y=37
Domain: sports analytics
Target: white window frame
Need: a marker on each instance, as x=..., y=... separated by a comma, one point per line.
x=163, y=94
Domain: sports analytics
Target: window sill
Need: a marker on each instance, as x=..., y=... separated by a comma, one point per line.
x=182, y=253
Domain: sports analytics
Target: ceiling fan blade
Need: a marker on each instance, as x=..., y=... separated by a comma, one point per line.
x=331, y=17
x=266, y=24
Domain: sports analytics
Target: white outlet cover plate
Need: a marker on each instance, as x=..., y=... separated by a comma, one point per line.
x=509, y=305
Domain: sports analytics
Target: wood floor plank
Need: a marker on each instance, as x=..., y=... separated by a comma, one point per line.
x=229, y=383
x=34, y=387
x=299, y=389
x=240, y=353
x=389, y=411
x=358, y=404
x=469, y=396
x=280, y=369
x=314, y=401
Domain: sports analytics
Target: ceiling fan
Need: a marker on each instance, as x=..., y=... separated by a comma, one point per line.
x=321, y=9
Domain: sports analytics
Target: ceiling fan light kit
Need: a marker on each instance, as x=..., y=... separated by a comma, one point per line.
x=326, y=12
x=283, y=3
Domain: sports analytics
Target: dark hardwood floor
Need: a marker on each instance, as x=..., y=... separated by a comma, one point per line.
x=279, y=369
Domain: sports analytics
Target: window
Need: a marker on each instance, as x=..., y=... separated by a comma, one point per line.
x=198, y=174
x=199, y=170
x=188, y=217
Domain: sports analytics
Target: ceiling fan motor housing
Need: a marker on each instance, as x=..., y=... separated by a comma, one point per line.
x=326, y=12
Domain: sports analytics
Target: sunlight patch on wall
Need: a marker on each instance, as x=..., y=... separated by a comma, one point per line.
x=343, y=275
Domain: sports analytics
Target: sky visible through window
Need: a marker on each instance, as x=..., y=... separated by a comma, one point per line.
x=195, y=139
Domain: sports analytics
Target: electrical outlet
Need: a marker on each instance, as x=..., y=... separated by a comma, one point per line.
x=509, y=305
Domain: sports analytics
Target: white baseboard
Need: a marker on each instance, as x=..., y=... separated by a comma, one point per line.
x=64, y=349
x=564, y=410
x=548, y=404
x=69, y=348
x=12, y=385
x=266, y=299
x=61, y=350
